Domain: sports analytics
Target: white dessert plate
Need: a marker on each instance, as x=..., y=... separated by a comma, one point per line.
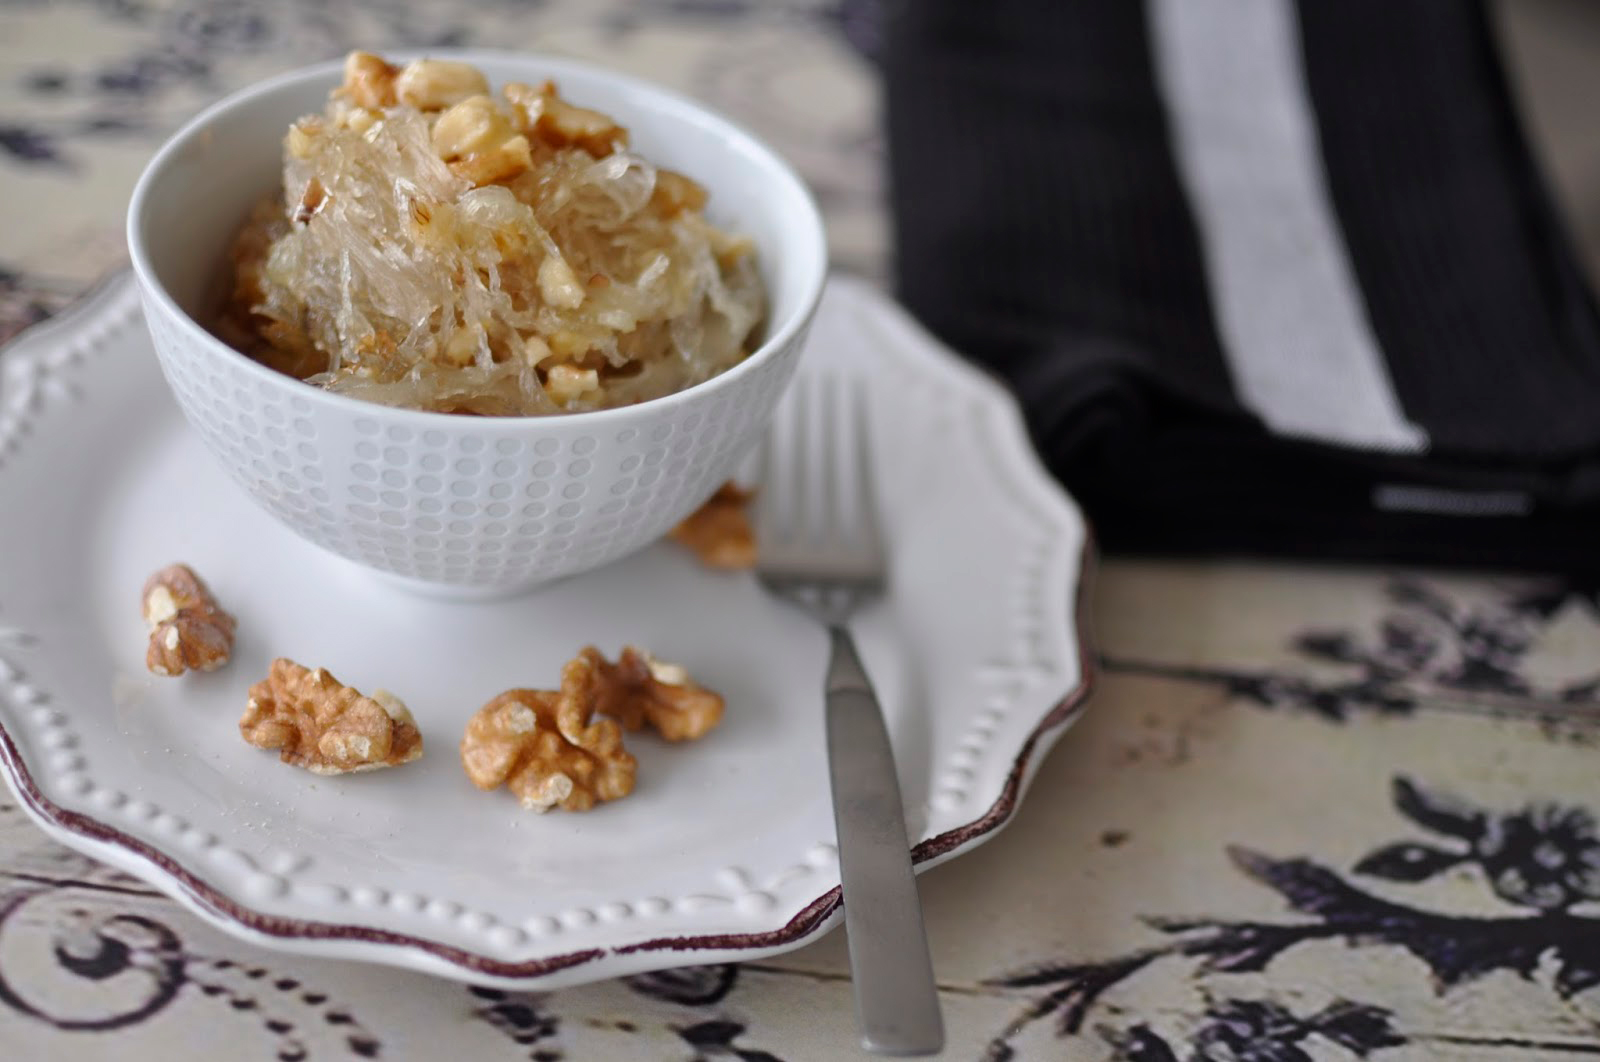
x=723, y=852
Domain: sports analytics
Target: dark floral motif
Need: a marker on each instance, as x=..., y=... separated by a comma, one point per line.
x=1476, y=649
x=1542, y=859
x=1426, y=642
x=46, y=82
x=521, y=1017
x=178, y=54
x=141, y=948
x=1259, y=1030
x=137, y=957
x=690, y=986
x=231, y=25
x=140, y=75
x=193, y=49
x=28, y=144
x=251, y=989
x=19, y=305
x=41, y=143
x=524, y=1019
x=710, y=8
x=715, y=1039
x=1545, y=856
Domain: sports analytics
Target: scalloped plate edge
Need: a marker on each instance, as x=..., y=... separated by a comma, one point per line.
x=353, y=942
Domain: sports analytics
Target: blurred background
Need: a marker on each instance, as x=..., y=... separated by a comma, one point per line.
x=92, y=86
x=1552, y=46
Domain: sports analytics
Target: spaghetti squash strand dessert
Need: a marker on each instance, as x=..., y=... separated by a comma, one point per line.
x=440, y=248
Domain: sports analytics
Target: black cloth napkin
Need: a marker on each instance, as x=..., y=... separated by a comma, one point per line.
x=1268, y=277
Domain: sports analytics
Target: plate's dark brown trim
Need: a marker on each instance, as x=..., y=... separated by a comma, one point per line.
x=205, y=896
x=192, y=888
x=1067, y=709
x=208, y=898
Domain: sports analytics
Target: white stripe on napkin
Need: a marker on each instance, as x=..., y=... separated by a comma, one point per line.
x=1404, y=498
x=1288, y=306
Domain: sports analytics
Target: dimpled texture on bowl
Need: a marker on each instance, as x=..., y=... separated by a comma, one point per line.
x=457, y=504
x=466, y=501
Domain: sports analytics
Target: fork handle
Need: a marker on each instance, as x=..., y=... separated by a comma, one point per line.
x=897, y=1003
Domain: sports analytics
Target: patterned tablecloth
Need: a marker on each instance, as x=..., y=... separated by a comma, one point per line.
x=1310, y=814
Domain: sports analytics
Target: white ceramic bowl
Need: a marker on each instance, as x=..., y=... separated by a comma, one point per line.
x=465, y=505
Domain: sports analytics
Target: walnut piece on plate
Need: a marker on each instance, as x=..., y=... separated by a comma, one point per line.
x=318, y=723
x=719, y=531
x=189, y=631
x=640, y=689
x=547, y=747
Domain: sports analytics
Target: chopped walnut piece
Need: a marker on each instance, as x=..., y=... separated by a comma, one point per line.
x=298, y=140
x=312, y=200
x=526, y=102
x=189, y=631
x=500, y=163
x=568, y=344
x=730, y=248
x=558, y=284
x=318, y=723
x=477, y=141
x=368, y=81
x=565, y=383
x=474, y=124
x=546, y=117
x=534, y=349
x=640, y=689
x=434, y=84
x=719, y=531
x=462, y=348
x=547, y=748
x=674, y=193
x=358, y=119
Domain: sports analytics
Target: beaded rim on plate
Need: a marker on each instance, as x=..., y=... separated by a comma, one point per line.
x=1012, y=769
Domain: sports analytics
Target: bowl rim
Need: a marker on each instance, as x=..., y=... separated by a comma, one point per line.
x=777, y=339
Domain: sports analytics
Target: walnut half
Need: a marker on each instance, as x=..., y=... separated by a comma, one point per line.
x=188, y=629
x=318, y=723
x=640, y=689
x=547, y=748
x=719, y=532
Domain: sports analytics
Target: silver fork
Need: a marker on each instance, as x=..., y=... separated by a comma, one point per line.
x=818, y=547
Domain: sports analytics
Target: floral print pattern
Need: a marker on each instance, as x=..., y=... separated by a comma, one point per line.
x=1544, y=856
x=1541, y=859
x=1425, y=643
x=1259, y=1030
x=1472, y=701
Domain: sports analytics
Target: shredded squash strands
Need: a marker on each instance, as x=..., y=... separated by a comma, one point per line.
x=497, y=256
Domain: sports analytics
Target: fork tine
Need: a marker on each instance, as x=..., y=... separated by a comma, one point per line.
x=767, y=488
x=830, y=458
x=800, y=465
x=783, y=483
x=866, y=483
x=817, y=516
